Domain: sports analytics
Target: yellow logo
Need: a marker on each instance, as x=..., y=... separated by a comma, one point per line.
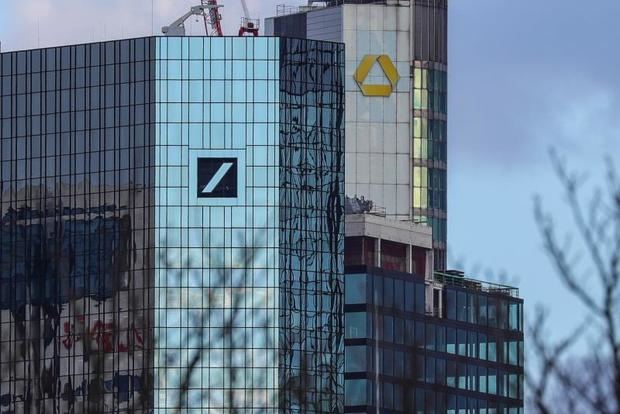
x=388, y=69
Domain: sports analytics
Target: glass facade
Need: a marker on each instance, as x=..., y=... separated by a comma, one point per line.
x=429, y=124
x=76, y=197
x=398, y=359
x=429, y=189
x=311, y=226
x=172, y=226
x=216, y=282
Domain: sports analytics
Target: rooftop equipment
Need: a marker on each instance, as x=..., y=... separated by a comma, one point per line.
x=248, y=25
x=209, y=10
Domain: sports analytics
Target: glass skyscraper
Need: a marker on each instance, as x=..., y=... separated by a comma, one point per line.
x=172, y=226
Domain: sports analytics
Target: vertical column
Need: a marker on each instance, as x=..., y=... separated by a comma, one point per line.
x=409, y=260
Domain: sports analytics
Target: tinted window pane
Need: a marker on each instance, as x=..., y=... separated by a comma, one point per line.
x=355, y=325
x=355, y=359
x=355, y=289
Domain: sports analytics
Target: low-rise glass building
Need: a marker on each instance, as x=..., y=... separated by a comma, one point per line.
x=426, y=342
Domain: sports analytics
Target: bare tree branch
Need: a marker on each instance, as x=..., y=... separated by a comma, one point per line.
x=597, y=388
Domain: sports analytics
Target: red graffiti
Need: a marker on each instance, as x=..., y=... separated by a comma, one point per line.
x=103, y=335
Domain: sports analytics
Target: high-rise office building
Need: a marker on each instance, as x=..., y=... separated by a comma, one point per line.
x=172, y=226
x=396, y=101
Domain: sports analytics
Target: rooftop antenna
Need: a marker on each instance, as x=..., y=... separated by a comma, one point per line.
x=208, y=9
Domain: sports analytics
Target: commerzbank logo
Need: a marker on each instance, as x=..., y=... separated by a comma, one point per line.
x=389, y=70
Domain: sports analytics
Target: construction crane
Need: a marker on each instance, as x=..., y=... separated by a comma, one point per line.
x=208, y=9
x=213, y=19
x=248, y=25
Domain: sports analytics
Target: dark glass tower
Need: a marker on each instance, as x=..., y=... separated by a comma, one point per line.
x=172, y=232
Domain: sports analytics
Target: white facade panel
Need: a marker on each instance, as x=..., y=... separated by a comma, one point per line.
x=381, y=124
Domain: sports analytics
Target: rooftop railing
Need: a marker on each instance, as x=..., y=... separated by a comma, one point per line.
x=459, y=280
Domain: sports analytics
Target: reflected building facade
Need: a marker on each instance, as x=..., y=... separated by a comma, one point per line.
x=172, y=226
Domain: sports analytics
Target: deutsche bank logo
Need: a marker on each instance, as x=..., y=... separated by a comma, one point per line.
x=217, y=178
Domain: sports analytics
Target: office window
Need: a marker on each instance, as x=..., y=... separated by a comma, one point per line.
x=451, y=374
x=472, y=344
x=388, y=361
x=388, y=292
x=355, y=359
x=355, y=325
x=410, y=297
x=399, y=330
x=482, y=379
x=451, y=340
x=450, y=304
x=388, y=328
x=514, y=317
x=420, y=341
x=441, y=338
x=420, y=290
x=492, y=312
x=492, y=350
x=482, y=346
x=430, y=337
x=355, y=289
x=430, y=370
x=399, y=295
x=356, y=392
x=462, y=306
x=482, y=310
x=462, y=342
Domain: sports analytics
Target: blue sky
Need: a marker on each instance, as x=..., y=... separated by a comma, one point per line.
x=524, y=76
